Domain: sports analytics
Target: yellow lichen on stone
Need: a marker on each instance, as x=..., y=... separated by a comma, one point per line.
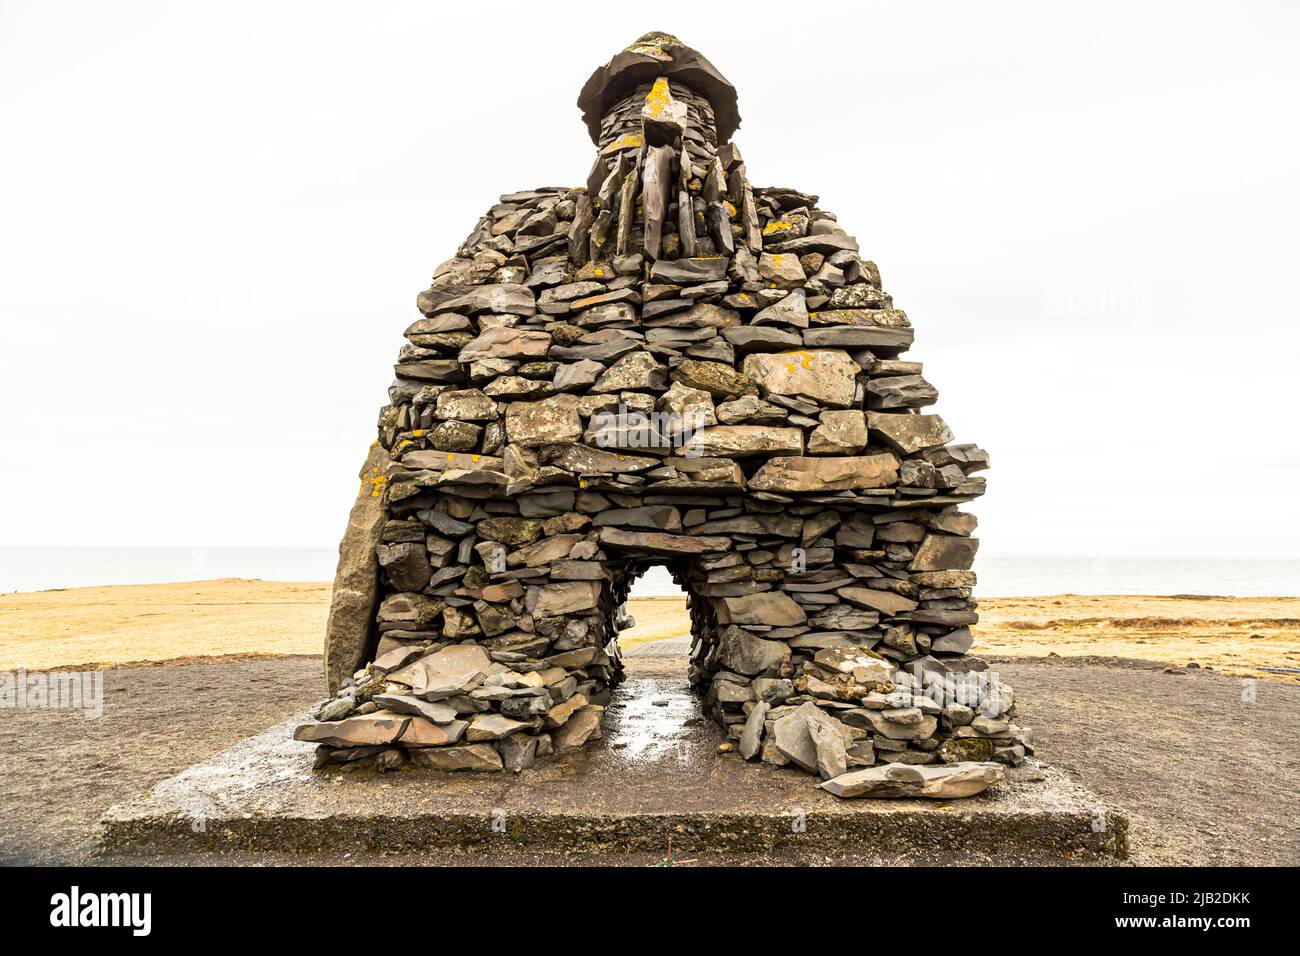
x=375, y=482
x=653, y=43
x=626, y=141
x=806, y=361
x=659, y=98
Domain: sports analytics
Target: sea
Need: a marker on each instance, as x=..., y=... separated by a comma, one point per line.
x=47, y=568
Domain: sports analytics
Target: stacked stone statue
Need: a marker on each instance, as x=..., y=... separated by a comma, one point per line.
x=664, y=367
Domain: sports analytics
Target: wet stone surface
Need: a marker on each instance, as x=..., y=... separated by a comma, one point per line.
x=653, y=719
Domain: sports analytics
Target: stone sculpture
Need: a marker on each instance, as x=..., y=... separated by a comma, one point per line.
x=666, y=366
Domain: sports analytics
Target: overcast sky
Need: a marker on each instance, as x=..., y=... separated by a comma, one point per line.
x=215, y=217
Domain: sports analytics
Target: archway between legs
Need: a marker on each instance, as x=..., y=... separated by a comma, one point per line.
x=654, y=715
x=691, y=639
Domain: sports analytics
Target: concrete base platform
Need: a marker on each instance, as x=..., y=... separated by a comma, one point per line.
x=656, y=776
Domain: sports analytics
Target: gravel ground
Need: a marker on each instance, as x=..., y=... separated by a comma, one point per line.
x=1204, y=777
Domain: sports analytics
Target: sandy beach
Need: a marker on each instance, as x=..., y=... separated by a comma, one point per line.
x=128, y=624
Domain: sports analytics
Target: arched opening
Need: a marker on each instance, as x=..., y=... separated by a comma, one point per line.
x=684, y=663
x=654, y=713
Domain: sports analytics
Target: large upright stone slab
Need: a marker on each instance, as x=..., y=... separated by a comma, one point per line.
x=349, y=643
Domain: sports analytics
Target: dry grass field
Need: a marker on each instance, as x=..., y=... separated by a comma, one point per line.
x=232, y=617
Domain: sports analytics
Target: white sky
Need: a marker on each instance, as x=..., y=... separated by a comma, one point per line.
x=214, y=220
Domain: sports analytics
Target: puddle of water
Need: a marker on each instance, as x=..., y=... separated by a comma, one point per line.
x=649, y=720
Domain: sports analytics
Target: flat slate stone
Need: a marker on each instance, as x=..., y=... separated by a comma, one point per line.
x=657, y=543
x=892, y=780
x=704, y=269
x=825, y=474
x=909, y=433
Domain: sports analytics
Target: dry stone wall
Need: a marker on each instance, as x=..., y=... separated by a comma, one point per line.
x=665, y=366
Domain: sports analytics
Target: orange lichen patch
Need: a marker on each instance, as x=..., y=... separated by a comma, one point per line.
x=803, y=359
x=372, y=484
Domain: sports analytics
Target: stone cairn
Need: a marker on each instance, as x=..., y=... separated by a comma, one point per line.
x=664, y=367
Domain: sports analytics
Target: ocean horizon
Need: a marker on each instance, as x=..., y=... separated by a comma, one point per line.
x=49, y=568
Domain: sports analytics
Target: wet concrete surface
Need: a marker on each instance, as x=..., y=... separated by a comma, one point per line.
x=652, y=719
x=655, y=775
